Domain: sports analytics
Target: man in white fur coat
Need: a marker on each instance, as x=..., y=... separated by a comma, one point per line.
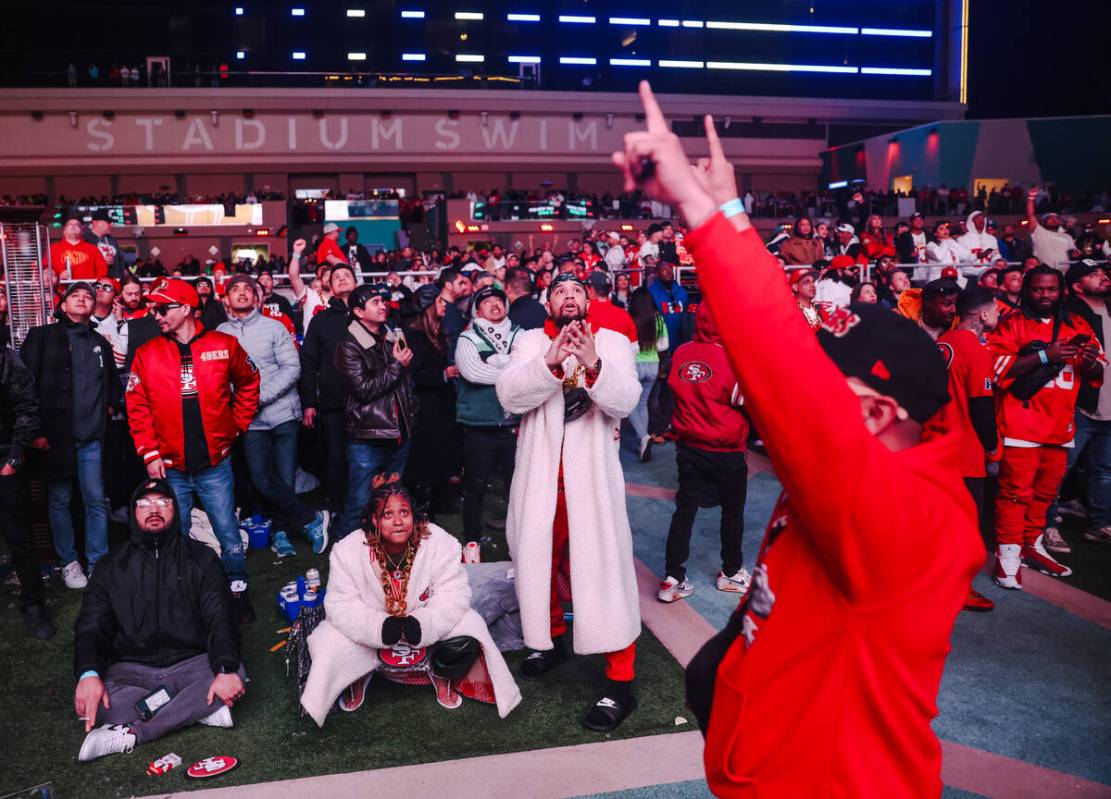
x=572, y=386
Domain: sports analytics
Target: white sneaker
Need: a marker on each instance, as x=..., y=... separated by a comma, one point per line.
x=1008, y=558
x=107, y=739
x=73, y=576
x=672, y=590
x=220, y=718
x=737, y=583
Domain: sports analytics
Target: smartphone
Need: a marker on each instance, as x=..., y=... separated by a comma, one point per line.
x=152, y=703
x=401, y=342
x=1079, y=339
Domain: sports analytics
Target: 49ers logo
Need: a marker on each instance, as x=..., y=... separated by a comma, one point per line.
x=215, y=355
x=840, y=322
x=695, y=372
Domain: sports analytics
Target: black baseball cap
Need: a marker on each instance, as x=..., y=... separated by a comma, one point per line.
x=939, y=287
x=599, y=281
x=364, y=291
x=1081, y=269
x=890, y=354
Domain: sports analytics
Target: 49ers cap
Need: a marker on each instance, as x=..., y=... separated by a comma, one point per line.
x=175, y=291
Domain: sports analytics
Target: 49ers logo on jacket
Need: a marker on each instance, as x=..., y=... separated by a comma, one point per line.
x=695, y=372
x=946, y=353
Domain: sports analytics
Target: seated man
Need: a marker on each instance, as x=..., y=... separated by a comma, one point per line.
x=398, y=601
x=156, y=641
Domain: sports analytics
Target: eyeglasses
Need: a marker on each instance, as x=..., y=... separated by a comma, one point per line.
x=162, y=503
x=105, y=287
x=165, y=308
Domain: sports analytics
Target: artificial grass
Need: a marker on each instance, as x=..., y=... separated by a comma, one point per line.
x=398, y=725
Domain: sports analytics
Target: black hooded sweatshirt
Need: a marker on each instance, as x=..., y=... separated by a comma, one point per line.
x=157, y=599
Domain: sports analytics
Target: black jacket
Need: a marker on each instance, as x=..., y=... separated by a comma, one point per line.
x=320, y=386
x=157, y=599
x=437, y=439
x=19, y=407
x=527, y=313
x=904, y=247
x=378, y=393
x=1088, y=398
x=46, y=352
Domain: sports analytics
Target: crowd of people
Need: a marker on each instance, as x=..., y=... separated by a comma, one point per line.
x=514, y=371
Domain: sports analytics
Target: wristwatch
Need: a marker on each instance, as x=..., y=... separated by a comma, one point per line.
x=224, y=668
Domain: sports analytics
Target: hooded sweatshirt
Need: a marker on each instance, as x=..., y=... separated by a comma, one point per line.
x=979, y=243
x=707, y=411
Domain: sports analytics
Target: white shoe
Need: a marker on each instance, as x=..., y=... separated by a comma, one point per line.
x=73, y=576
x=108, y=739
x=645, y=452
x=672, y=590
x=737, y=583
x=220, y=718
x=1008, y=558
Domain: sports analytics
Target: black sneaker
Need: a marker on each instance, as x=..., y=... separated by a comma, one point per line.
x=37, y=621
x=244, y=612
x=610, y=710
x=540, y=662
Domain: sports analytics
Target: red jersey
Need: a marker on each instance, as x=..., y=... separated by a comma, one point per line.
x=1047, y=417
x=603, y=313
x=83, y=260
x=328, y=247
x=970, y=375
x=831, y=687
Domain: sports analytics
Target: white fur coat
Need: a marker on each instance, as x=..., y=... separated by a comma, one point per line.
x=603, y=582
x=344, y=646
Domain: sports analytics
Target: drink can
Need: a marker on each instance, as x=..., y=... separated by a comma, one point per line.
x=290, y=594
x=312, y=578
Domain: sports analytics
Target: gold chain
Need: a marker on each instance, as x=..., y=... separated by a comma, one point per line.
x=395, y=605
x=573, y=380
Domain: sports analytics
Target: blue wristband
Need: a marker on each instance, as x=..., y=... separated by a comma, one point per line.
x=1042, y=356
x=732, y=208
x=89, y=673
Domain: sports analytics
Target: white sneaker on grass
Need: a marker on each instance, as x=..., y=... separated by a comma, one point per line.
x=735, y=583
x=672, y=589
x=107, y=739
x=73, y=576
x=220, y=718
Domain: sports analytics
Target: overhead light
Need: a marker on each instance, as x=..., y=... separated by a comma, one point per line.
x=298, y=55
x=468, y=58
x=669, y=23
x=469, y=15
x=575, y=18
x=669, y=62
x=297, y=12
x=775, y=27
x=523, y=17
x=693, y=23
x=356, y=56
x=568, y=59
x=239, y=54
x=896, y=71
x=630, y=62
x=839, y=184
x=524, y=59
x=356, y=13
x=413, y=56
x=239, y=11
x=778, y=67
x=547, y=227
x=896, y=32
x=412, y=15
x=630, y=21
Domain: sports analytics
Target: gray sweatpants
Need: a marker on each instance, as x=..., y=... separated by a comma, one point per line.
x=187, y=683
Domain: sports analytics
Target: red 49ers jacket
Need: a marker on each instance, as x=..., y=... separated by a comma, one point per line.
x=227, y=385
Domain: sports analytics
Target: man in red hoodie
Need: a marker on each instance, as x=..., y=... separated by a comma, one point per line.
x=710, y=455
x=191, y=393
x=825, y=680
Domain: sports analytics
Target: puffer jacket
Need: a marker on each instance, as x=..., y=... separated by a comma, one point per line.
x=379, y=402
x=272, y=349
x=157, y=599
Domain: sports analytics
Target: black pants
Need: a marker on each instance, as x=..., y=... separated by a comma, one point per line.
x=17, y=532
x=332, y=436
x=976, y=487
x=486, y=451
x=708, y=478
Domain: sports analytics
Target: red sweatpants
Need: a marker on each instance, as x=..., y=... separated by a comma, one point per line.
x=1028, y=482
x=619, y=665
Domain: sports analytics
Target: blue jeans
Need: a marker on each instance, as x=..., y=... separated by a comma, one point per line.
x=272, y=463
x=1095, y=435
x=60, y=495
x=365, y=461
x=215, y=487
x=646, y=374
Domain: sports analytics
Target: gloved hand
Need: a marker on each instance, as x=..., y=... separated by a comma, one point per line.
x=412, y=630
x=392, y=629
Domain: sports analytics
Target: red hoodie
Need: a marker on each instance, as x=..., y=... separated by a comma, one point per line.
x=707, y=397
x=831, y=689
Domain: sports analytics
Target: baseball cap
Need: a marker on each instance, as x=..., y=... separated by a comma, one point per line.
x=949, y=273
x=845, y=227
x=798, y=274
x=1081, y=269
x=424, y=296
x=331, y=227
x=655, y=227
x=842, y=262
x=917, y=214
x=101, y=216
x=936, y=288
x=365, y=291
x=175, y=291
x=484, y=294
x=890, y=354
x=240, y=278
x=153, y=486
x=79, y=285
x=599, y=281
x=564, y=277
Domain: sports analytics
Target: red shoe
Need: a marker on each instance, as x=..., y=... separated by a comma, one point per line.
x=1035, y=557
x=354, y=695
x=977, y=602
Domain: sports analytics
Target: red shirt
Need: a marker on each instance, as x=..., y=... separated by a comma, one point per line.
x=970, y=375
x=603, y=313
x=328, y=247
x=1047, y=417
x=83, y=260
x=832, y=687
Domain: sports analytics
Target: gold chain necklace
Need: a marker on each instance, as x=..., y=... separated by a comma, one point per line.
x=572, y=380
x=813, y=318
x=396, y=599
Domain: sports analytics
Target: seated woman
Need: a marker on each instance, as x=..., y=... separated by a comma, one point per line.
x=398, y=602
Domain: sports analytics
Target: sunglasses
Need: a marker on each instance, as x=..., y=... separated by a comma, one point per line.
x=165, y=308
x=105, y=287
x=162, y=503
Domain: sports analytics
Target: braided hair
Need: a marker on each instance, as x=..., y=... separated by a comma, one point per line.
x=377, y=502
